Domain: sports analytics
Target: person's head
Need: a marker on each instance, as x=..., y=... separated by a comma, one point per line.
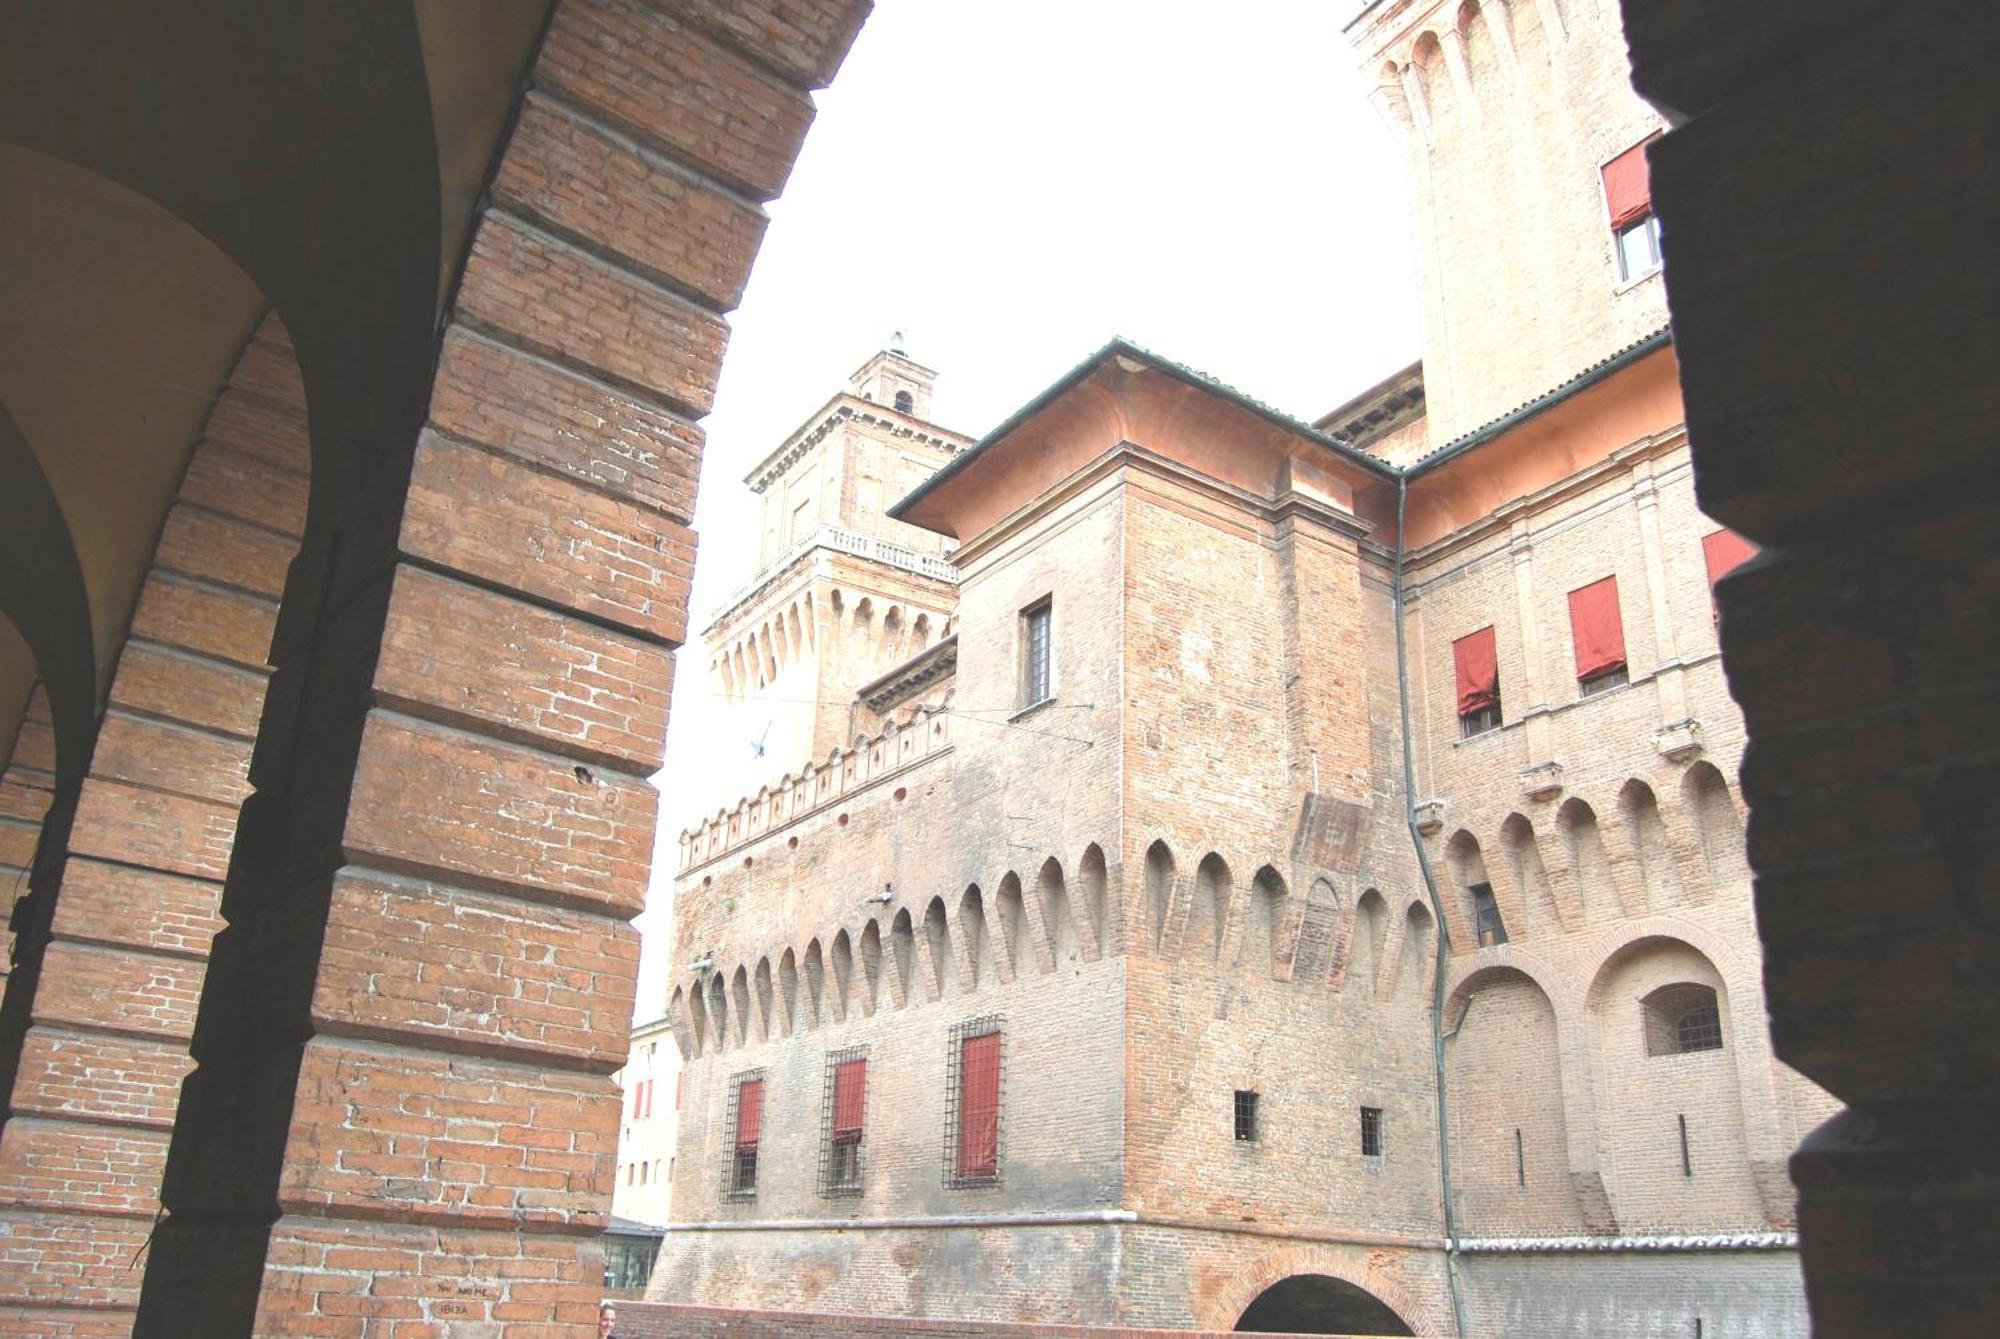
x=607, y=1316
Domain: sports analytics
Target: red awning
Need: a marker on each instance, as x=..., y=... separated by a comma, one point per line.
x=1628, y=190
x=1597, y=628
x=1724, y=552
x=979, y=1106
x=1478, y=671
x=749, y=1113
x=850, y=1088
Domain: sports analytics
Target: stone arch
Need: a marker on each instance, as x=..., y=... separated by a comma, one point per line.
x=1369, y=937
x=788, y=993
x=843, y=975
x=1417, y=1303
x=1320, y=1304
x=1509, y=1127
x=1590, y=867
x=815, y=977
x=766, y=1001
x=903, y=956
x=1531, y=875
x=697, y=1008
x=1652, y=856
x=871, y=968
x=1417, y=955
x=1094, y=880
x=1465, y=864
x=1718, y=826
x=1428, y=65
x=974, y=948
x=1058, y=915
x=1320, y=953
x=1680, y=1158
x=1011, y=921
x=740, y=1006
x=1208, y=914
x=718, y=1010
x=937, y=942
x=1159, y=879
x=1263, y=950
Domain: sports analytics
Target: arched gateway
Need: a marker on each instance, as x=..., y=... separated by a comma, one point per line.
x=1320, y=1304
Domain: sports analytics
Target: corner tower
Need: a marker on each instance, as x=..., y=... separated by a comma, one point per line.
x=1537, y=253
x=842, y=594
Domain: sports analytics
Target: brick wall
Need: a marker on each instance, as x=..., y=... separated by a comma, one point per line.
x=652, y=1320
x=401, y=1111
x=98, y=1073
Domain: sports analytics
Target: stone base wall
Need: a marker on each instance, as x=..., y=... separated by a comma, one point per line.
x=652, y=1320
x=1731, y=1295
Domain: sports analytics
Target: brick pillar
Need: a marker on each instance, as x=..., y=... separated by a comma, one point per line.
x=27, y=786
x=1837, y=346
x=116, y=964
x=402, y=1110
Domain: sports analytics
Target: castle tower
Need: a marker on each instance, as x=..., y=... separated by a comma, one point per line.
x=842, y=593
x=1537, y=252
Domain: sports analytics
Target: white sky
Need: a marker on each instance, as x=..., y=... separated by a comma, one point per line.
x=1013, y=182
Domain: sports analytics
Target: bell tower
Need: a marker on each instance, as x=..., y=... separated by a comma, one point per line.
x=1537, y=252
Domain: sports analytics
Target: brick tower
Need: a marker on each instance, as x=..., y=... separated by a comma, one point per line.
x=842, y=592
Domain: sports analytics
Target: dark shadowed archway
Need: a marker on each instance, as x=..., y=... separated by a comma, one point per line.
x=1319, y=1304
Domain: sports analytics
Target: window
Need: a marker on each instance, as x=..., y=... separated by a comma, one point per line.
x=1598, y=633
x=1487, y=926
x=1246, y=1116
x=1371, y=1132
x=843, y=1114
x=744, y=1123
x=1628, y=197
x=1723, y=552
x=972, y=1105
x=1680, y=1019
x=905, y=403
x=1036, y=629
x=1478, y=669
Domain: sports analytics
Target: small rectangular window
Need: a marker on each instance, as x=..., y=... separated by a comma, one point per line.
x=844, y=1113
x=972, y=1104
x=1371, y=1132
x=1486, y=923
x=1687, y=1158
x=1628, y=200
x=1037, y=630
x=744, y=1126
x=1476, y=665
x=1246, y=1116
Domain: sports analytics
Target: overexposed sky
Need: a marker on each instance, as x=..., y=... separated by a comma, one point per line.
x=1013, y=182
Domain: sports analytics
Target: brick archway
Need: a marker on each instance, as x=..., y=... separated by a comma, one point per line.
x=1357, y=1267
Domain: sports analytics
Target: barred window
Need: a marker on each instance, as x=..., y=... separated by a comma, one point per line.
x=1486, y=923
x=1246, y=1116
x=1037, y=680
x=972, y=1104
x=743, y=1125
x=1681, y=1018
x=842, y=1116
x=1371, y=1132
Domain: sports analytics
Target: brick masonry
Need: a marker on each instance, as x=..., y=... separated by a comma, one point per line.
x=99, y=1067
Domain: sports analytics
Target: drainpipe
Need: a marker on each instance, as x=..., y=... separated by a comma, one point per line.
x=1451, y=1243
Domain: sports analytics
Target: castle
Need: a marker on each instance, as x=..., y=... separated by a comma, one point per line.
x=1202, y=869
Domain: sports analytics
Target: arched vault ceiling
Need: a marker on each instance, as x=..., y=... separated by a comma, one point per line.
x=119, y=320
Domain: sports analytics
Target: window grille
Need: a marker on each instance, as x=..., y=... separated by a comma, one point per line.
x=842, y=1116
x=742, y=1128
x=1036, y=630
x=1487, y=926
x=1371, y=1132
x=1246, y=1116
x=1680, y=1019
x=972, y=1103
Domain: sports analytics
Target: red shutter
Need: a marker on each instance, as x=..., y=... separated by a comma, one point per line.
x=1724, y=552
x=637, y=1088
x=1597, y=629
x=649, y=1099
x=979, y=1106
x=1628, y=191
x=749, y=1114
x=1478, y=671
x=850, y=1089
